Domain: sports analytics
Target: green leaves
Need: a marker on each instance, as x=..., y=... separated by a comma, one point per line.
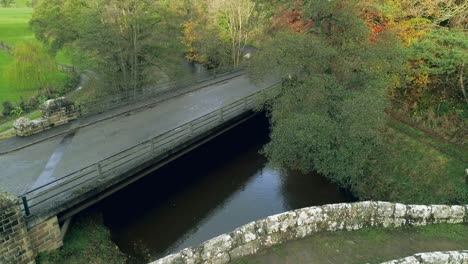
x=443, y=51
x=33, y=67
x=330, y=111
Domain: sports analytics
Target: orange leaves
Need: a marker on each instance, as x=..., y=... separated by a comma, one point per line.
x=293, y=20
x=189, y=39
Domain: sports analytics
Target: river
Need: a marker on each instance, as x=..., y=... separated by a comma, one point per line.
x=222, y=185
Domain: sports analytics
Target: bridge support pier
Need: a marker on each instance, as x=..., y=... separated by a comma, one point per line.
x=20, y=243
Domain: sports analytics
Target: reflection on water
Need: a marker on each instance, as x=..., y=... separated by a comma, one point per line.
x=210, y=191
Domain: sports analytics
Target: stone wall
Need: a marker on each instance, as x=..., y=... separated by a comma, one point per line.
x=447, y=257
x=59, y=111
x=25, y=127
x=18, y=243
x=276, y=229
x=15, y=246
x=55, y=112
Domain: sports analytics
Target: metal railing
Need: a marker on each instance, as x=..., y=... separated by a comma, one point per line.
x=110, y=102
x=69, y=186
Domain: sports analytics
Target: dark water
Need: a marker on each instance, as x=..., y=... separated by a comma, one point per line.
x=214, y=189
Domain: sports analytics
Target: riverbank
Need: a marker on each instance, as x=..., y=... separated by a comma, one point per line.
x=370, y=245
x=87, y=241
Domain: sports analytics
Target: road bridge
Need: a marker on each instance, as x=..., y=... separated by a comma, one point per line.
x=63, y=174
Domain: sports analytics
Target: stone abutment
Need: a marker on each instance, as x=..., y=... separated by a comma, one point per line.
x=18, y=243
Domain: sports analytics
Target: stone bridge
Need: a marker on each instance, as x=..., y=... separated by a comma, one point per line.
x=65, y=169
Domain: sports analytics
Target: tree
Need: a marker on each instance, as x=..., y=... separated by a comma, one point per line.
x=129, y=41
x=33, y=67
x=6, y=3
x=445, y=54
x=216, y=32
x=238, y=23
x=329, y=110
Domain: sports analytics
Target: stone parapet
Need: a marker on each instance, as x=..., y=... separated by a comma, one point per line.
x=297, y=224
x=55, y=112
x=25, y=127
x=59, y=111
x=446, y=257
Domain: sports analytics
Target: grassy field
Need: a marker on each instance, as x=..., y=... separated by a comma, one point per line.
x=14, y=25
x=418, y=169
x=13, y=29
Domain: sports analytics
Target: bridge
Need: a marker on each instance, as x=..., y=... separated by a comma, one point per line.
x=67, y=170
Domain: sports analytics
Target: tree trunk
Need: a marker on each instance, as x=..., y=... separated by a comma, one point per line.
x=462, y=82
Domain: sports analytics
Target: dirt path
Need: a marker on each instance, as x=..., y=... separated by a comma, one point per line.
x=365, y=246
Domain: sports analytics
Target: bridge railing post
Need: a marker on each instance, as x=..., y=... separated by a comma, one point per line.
x=245, y=103
x=221, y=112
x=153, y=146
x=99, y=170
x=191, y=129
x=27, y=213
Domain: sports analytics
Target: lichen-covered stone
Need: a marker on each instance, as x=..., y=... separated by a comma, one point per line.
x=443, y=257
x=216, y=247
x=457, y=214
x=385, y=214
x=25, y=127
x=334, y=215
x=247, y=249
x=433, y=257
x=441, y=213
x=244, y=234
x=418, y=215
x=54, y=112
x=277, y=229
x=52, y=106
x=407, y=260
x=399, y=216
x=190, y=256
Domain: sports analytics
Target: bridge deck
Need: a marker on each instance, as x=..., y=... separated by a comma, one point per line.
x=46, y=161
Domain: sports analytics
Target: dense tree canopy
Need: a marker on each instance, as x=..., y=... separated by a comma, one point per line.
x=329, y=112
x=129, y=41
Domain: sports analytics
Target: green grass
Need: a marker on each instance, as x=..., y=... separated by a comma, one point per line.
x=368, y=245
x=87, y=241
x=457, y=152
x=8, y=92
x=13, y=29
x=416, y=169
x=14, y=25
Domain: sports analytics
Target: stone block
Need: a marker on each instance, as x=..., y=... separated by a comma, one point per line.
x=385, y=214
x=216, y=247
x=361, y=214
x=457, y=214
x=247, y=249
x=418, y=215
x=25, y=127
x=244, y=234
x=335, y=216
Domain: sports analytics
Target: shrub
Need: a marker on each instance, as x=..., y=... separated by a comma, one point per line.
x=42, y=99
x=32, y=103
x=17, y=111
x=7, y=108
